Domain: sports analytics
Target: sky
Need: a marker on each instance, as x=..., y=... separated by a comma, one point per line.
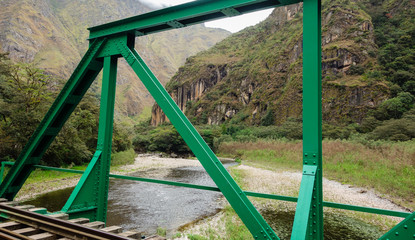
x=233, y=24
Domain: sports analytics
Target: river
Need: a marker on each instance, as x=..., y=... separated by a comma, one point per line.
x=144, y=206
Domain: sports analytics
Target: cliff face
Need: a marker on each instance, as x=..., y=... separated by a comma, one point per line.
x=259, y=70
x=52, y=34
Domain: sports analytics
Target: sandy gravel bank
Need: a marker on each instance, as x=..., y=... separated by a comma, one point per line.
x=254, y=179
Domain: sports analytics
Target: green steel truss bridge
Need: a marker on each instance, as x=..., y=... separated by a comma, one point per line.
x=115, y=40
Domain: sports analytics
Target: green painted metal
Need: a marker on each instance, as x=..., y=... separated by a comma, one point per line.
x=51, y=124
x=308, y=221
x=404, y=230
x=113, y=40
x=89, y=198
x=248, y=193
x=182, y=15
x=303, y=220
x=235, y=196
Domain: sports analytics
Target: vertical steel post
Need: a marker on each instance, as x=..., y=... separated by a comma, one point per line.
x=105, y=130
x=308, y=221
x=89, y=198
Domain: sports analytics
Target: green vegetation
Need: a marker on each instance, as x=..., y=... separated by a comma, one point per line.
x=161, y=231
x=123, y=158
x=387, y=167
x=26, y=93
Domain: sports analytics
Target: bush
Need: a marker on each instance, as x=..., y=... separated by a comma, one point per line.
x=395, y=130
x=168, y=140
x=356, y=70
x=123, y=158
x=269, y=132
x=222, y=139
x=368, y=125
x=395, y=107
x=337, y=132
x=292, y=129
x=268, y=119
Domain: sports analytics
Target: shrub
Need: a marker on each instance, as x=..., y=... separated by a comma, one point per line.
x=356, y=70
x=368, y=124
x=123, y=158
x=268, y=119
x=395, y=130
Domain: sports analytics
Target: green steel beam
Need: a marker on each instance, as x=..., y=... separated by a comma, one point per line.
x=91, y=193
x=52, y=123
x=80, y=203
x=236, y=197
x=183, y=15
x=303, y=218
x=312, y=146
x=248, y=193
x=405, y=230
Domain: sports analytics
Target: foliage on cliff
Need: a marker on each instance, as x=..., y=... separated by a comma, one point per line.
x=254, y=77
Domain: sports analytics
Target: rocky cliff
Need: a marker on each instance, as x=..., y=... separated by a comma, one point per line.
x=52, y=34
x=257, y=72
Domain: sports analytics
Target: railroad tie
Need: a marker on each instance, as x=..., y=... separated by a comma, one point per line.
x=96, y=224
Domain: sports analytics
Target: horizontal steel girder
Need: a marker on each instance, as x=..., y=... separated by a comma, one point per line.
x=183, y=15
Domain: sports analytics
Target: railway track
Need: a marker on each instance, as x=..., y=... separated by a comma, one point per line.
x=23, y=222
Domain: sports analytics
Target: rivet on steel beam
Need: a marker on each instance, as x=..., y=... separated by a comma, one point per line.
x=306, y=154
x=306, y=162
x=314, y=155
x=405, y=226
x=397, y=233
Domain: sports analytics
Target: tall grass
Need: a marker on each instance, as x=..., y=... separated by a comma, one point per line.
x=387, y=167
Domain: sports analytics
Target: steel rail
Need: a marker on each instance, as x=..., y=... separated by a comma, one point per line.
x=10, y=235
x=56, y=226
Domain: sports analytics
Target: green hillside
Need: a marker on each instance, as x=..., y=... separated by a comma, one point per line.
x=53, y=35
x=254, y=76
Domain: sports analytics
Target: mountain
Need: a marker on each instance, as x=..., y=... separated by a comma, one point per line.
x=52, y=34
x=255, y=76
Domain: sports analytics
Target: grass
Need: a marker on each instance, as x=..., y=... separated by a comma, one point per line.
x=40, y=175
x=387, y=167
x=161, y=231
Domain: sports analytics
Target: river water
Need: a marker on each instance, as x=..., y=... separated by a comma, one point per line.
x=146, y=206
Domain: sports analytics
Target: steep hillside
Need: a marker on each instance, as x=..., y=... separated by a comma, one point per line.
x=52, y=34
x=255, y=76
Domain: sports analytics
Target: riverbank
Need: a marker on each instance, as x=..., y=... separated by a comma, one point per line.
x=283, y=182
x=65, y=180
x=250, y=178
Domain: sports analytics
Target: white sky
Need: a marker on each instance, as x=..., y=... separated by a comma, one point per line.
x=233, y=24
